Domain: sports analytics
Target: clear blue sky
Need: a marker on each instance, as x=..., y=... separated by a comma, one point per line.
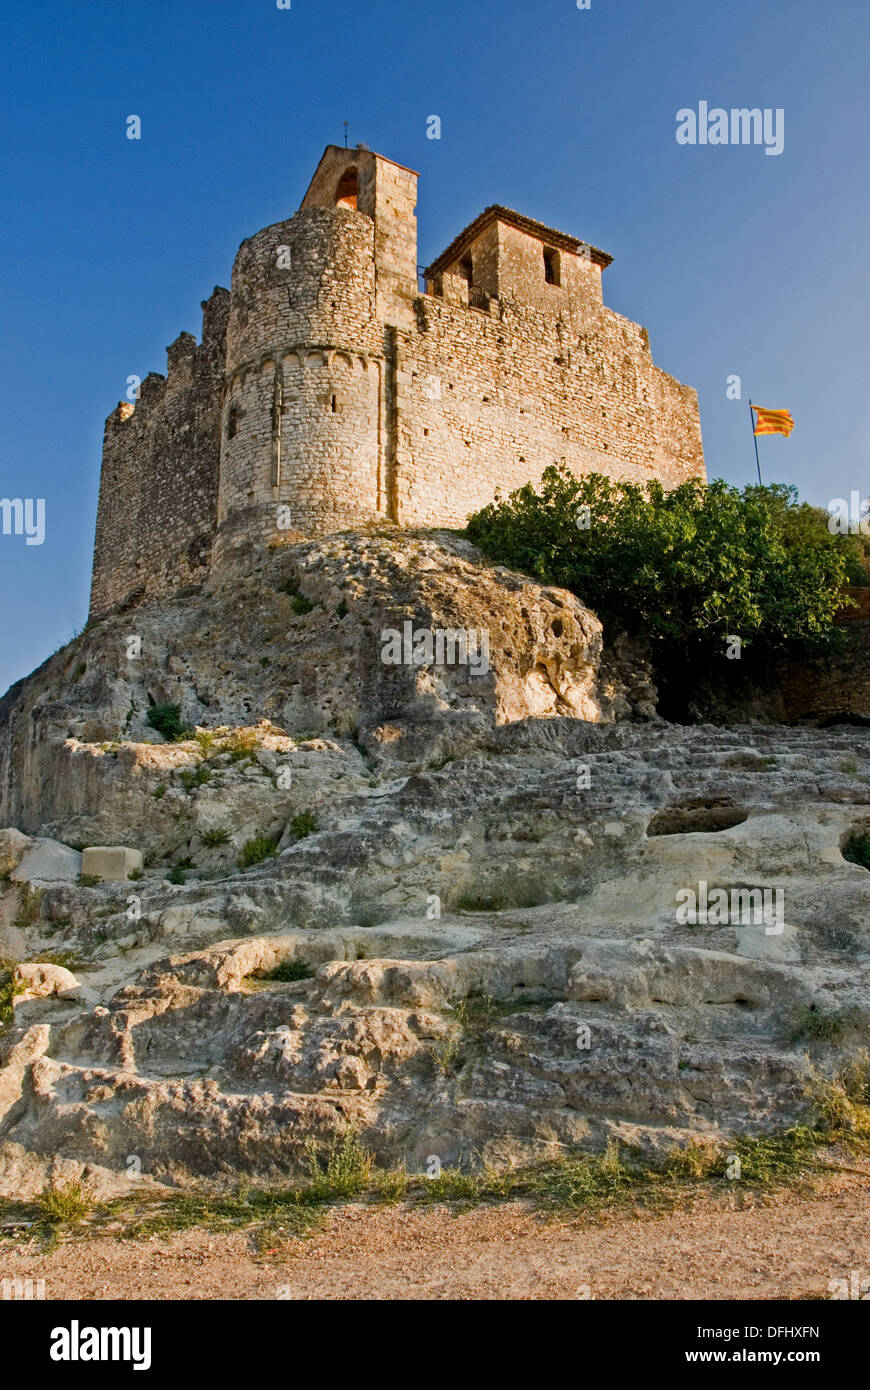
x=736, y=262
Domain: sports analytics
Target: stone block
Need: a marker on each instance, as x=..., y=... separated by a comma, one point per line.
x=112, y=863
x=47, y=861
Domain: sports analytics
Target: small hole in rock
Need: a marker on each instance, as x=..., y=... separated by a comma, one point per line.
x=691, y=818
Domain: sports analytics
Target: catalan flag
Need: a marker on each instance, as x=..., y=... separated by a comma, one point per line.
x=772, y=421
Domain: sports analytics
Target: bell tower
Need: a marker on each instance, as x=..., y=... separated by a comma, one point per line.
x=387, y=193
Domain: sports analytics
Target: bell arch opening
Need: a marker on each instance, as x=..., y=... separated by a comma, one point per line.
x=348, y=190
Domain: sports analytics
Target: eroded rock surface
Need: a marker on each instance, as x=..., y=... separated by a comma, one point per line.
x=488, y=955
x=295, y=638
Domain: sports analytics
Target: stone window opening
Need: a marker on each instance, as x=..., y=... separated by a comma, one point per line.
x=232, y=422
x=333, y=404
x=348, y=189
x=552, y=266
x=466, y=270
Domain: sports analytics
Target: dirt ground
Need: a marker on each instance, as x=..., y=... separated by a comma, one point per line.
x=789, y=1246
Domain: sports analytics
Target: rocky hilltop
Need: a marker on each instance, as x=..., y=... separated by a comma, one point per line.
x=433, y=903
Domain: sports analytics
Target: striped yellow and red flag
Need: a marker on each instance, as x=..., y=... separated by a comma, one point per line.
x=772, y=421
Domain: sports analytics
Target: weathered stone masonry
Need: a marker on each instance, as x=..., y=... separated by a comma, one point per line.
x=159, y=482
x=329, y=385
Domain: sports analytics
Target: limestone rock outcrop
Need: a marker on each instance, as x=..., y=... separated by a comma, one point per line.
x=478, y=959
x=293, y=637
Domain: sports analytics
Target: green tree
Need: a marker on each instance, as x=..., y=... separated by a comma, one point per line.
x=684, y=567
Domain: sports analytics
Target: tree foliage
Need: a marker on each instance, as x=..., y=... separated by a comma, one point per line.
x=685, y=567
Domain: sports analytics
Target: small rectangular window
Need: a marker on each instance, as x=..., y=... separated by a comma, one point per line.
x=552, y=266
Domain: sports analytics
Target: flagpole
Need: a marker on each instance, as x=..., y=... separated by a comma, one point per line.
x=755, y=442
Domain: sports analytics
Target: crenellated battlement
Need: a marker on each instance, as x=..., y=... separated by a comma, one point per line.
x=329, y=391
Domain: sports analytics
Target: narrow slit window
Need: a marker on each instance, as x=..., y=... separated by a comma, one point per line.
x=552, y=266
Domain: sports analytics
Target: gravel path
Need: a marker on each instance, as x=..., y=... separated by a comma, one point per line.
x=789, y=1247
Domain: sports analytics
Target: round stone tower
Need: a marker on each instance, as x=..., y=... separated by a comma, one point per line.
x=305, y=415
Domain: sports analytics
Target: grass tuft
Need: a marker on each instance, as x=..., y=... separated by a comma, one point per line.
x=67, y=1205
x=344, y=1171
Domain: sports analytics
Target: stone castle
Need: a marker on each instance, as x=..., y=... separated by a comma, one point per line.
x=330, y=391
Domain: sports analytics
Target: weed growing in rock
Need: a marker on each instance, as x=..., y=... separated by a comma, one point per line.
x=254, y=851
x=855, y=1077
x=166, y=719
x=29, y=900
x=452, y=1185
x=475, y=1008
x=587, y=1180
x=345, y=726
x=213, y=838
x=343, y=1172
x=303, y=823
x=207, y=739
x=815, y=1025
x=446, y=1052
x=70, y=960
x=436, y=764
x=190, y=778
x=239, y=744
x=841, y=1104
x=390, y=1184
x=9, y=988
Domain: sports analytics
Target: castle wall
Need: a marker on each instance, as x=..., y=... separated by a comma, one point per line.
x=487, y=400
x=159, y=479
